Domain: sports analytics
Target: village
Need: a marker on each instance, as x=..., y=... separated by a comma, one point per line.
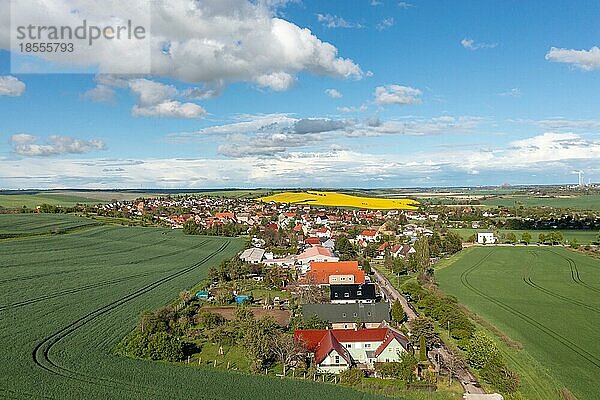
x=317, y=283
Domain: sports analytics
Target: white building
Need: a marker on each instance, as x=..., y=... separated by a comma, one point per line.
x=485, y=238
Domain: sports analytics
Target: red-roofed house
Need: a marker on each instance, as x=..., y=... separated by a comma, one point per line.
x=339, y=273
x=313, y=241
x=368, y=235
x=335, y=350
x=316, y=253
x=225, y=216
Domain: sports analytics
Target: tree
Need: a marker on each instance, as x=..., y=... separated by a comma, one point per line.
x=541, y=238
x=481, y=349
x=453, y=362
x=287, y=351
x=423, y=326
x=185, y=296
x=422, y=255
x=314, y=322
x=256, y=340
x=526, y=237
x=366, y=266
x=397, y=312
x=190, y=227
x=408, y=363
x=452, y=243
x=511, y=238
x=422, y=348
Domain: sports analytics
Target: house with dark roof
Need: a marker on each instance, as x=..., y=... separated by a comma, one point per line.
x=352, y=293
x=346, y=316
x=335, y=350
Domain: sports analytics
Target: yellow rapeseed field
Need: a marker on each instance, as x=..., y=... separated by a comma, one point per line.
x=334, y=199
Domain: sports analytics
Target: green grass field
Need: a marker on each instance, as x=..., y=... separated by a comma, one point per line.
x=35, y=224
x=34, y=200
x=583, y=237
x=67, y=300
x=584, y=202
x=546, y=298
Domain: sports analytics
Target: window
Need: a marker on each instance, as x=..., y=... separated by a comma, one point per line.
x=337, y=359
x=348, y=345
x=355, y=315
x=342, y=279
x=346, y=295
x=343, y=314
x=367, y=345
x=359, y=293
x=368, y=314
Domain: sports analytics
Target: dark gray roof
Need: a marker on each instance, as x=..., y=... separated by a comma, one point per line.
x=337, y=313
x=363, y=291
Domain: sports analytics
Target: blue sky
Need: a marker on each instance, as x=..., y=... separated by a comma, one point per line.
x=279, y=93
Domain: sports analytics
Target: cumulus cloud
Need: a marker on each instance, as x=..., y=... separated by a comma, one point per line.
x=205, y=41
x=333, y=93
x=169, y=109
x=100, y=94
x=385, y=24
x=155, y=99
x=396, y=94
x=473, y=45
x=11, y=86
x=334, y=21
x=583, y=59
x=29, y=145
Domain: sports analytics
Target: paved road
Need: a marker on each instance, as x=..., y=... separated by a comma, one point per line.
x=467, y=380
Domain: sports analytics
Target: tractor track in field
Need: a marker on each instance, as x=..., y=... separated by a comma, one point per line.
x=99, y=284
x=84, y=233
x=575, y=273
x=41, y=352
x=591, y=358
x=124, y=251
x=529, y=281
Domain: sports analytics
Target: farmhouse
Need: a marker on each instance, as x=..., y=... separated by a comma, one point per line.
x=347, y=294
x=345, y=316
x=335, y=350
x=339, y=272
x=485, y=238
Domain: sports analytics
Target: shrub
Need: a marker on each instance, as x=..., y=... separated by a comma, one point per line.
x=351, y=376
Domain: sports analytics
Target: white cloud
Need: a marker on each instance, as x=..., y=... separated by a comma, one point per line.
x=11, y=86
x=207, y=41
x=385, y=24
x=514, y=92
x=333, y=93
x=28, y=145
x=415, y=127
x=100, y=94
x=473, y=45
x=405, y=5
x=376, y=3
x=396, y=94
x=561, y=124
x=156, y=100
x=334, y=21
x=277, y=81
x=169, y=109
x=548, y=154
x=361, y=108
x=583, y=59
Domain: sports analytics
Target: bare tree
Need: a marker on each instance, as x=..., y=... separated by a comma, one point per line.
x=453, y=362
x=287, y=350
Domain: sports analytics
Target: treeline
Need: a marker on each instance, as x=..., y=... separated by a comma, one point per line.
x=479, y=350
x=190, y=227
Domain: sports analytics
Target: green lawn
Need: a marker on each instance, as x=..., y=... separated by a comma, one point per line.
x=546, y=298
x=583, y=237
x=67, y=300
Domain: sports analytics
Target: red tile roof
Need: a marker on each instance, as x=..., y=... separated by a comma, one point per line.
x=321, y=271
x=368, y=232
x=322, y=341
